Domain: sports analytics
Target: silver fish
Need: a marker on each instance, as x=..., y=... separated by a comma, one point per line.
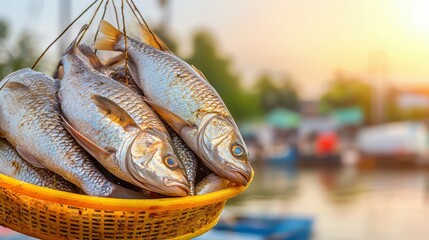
x=30, y=120
x=212, y=183
x=185, y=154
x=13, y=165
x=182, y=96
x=110, y=69
x=202, y=171
x=118, y=128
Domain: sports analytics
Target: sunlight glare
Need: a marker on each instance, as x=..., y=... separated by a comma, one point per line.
x=418, y=15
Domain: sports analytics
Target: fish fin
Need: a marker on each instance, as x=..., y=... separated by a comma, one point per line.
x=15, y=86
x=150, y=38
x=176, y=122
x=115, y=60
x=88, y=145
x=199, y=72
x=3, y=134
x=28, y=157
x=115, y=112
x=110, y=39
x=133, y=71
x=72, y=47
x=92, y=57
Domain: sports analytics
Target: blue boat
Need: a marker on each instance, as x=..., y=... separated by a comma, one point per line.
x=288, y=156
x=258, y=228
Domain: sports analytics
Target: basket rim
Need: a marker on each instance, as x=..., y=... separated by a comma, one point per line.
x=103, y=203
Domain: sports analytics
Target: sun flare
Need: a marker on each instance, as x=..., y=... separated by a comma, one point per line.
x=418, y=15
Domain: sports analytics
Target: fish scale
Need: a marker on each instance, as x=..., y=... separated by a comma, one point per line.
x=182, y=96
x=100, y=129
x=135, y=110
x=42, y=135
x=118, y=128
x=13, y=165
x=185, y=154
x=118, y=73
x=192, y=88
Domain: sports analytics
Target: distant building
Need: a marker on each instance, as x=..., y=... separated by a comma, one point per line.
x=412, y=97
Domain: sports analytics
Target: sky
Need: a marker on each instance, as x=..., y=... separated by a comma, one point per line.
x=309, y=41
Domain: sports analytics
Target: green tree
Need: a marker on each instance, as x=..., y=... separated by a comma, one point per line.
x=166, y=38
x=348, y=92
x=267, y=93
x=289, y=95
x=20, y=55
x=271, y=96
x=218, y=71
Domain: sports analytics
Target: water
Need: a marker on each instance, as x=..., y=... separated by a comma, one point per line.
x=345, y=203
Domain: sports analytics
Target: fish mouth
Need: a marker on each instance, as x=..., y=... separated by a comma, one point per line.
x=237, y=175
x=173, y=188
x=176, y=188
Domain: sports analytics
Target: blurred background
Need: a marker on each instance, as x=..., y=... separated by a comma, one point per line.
x=332, y=99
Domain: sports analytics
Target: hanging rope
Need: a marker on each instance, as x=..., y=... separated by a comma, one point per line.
x=90, y=22
x=102, y=18
x=62, y=33
x=126, y=42
x=133, y=8
x=134, y=12
x=144, y=21
x=116, y=14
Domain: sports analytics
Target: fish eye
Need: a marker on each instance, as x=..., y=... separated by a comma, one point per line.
x=237, y=150
x=171, y=162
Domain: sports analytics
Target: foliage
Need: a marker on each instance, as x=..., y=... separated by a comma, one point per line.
x=218, y=71
x=20, y=55
x=272, y=96
x=167, y=39
x=347, y=92
x=241, y=103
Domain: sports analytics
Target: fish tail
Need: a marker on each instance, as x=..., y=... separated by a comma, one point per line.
x=150, y=38
x=112, y=36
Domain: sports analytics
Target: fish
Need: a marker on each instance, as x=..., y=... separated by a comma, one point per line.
x=13, y=165
x=212, y=183
x=30, y=120
x=186, y=156
x=183, y=152
x=202, y=171
x=118, y=128
x=143, y=193
x=184, y=98
x=110, y=68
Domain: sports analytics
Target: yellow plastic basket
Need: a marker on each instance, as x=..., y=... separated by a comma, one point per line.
x=50, y=214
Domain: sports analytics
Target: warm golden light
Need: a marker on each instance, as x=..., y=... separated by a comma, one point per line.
x=416, y=15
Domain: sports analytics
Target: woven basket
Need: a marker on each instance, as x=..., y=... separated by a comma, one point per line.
x=50, y=214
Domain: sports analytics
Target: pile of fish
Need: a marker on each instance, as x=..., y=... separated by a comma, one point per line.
x=154, y=129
